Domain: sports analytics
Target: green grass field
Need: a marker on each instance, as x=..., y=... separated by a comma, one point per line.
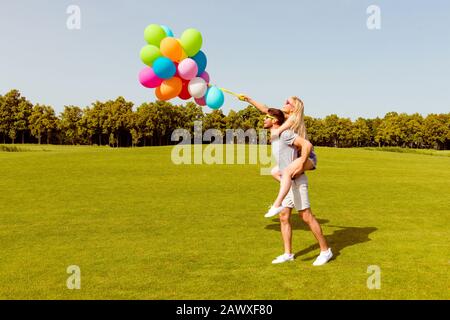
x=140, y=227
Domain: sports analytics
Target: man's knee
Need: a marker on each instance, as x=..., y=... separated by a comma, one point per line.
x=285, y=216
x=306, y=215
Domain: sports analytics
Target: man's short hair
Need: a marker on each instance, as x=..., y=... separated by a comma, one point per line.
x=277, y=114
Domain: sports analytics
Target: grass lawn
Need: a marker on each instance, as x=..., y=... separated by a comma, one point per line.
x=140, y=227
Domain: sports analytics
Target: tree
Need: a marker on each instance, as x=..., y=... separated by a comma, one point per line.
x=14, y=113
x=214, y=120
x=50, y=122
x=331, y=132
x=36, y=121
x=413, y=128
x=437, y=130
x=117, y=122
x=4, y=116
x=390, y=131
x=373, y=125
x=70, y=123
x=22, y=114
x=360, y=132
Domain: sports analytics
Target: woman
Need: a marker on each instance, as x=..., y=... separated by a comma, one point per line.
x=294, y=111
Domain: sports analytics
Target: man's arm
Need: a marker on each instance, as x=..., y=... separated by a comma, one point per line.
x=305, y=147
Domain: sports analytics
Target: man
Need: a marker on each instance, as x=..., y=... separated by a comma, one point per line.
x=285, y=149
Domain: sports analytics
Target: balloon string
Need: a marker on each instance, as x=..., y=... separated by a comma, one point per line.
x=230, y=92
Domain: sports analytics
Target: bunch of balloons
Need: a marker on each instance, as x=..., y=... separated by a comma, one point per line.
x=176, y=67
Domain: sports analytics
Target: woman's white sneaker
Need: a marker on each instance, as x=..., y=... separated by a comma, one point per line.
x=283, y=258
x=273, y=211
x=323, y=257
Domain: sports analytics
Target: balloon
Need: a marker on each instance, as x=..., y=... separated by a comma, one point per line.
x=171, y=87
x=184, y=94
x=200, y=101
x=214, y=98
x=171, y=49
x=160, y=96
x=149, y=54
x=153, y=34
x=176, y=70
x=192, y=41
x=167, y=30
x=187, y=69
x=164, y=68
x=200, y=59
x=183, y=56
x=205, y=76
x=149, y=79
x=197, y=87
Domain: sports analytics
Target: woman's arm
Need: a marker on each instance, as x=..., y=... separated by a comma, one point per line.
x=261, y=107
x=285, y=126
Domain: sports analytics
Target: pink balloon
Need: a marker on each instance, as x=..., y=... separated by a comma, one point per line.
x=205, y=76
x=149, y=79
x=200, y=101
x=188, y=69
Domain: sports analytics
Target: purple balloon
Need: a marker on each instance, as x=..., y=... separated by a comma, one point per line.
x=188, y=69
x=205, y=76
x=149, y=79
x=200, y=101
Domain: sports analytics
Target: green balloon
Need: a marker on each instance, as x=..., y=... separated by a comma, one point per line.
x=153, y=34
x=191, y=41
x=150, y=53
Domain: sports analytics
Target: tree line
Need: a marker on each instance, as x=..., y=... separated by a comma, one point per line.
x=116, y=124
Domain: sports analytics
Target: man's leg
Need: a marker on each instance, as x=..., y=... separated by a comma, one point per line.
x=286, y=229
x=314, y=225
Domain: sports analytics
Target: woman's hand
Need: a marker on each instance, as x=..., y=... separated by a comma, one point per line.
x=297, y=171
x=244, y=97
x=296, y=168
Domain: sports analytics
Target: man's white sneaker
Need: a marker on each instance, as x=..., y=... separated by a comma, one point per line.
x=283, y=258
x=273, y=211
x=323, y=257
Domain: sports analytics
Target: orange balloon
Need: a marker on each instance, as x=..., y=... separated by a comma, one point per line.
x=171, y=49
x=171, y=88
x=183, y=53
x=159, y=95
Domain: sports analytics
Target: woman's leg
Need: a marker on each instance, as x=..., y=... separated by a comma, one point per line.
x=276, y=174
x=286, y=179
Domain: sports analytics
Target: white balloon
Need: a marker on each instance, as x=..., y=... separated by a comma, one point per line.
x=197, y=87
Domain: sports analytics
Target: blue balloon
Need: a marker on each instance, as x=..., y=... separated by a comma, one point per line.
x=202, y=61
x=164, y=68
x=214, y=98
x=167, y=30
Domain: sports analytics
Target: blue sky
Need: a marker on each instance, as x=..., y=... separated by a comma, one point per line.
x=319, y=50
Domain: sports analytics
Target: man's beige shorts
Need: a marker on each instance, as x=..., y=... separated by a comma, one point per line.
x=298, y=195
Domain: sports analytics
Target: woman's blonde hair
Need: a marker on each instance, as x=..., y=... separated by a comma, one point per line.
x=299, y=118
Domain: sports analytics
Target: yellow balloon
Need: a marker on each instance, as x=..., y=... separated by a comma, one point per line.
x=171, y=49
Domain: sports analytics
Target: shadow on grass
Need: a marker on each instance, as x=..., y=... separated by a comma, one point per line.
x=340, y=239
